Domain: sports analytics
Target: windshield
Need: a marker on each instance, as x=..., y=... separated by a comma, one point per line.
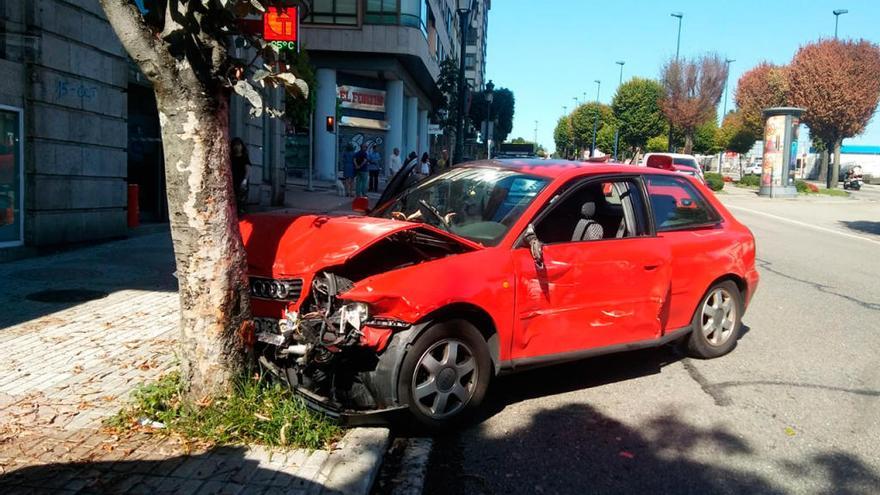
x=480, y=204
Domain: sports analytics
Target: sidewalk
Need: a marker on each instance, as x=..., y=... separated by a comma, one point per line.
x=79, y=331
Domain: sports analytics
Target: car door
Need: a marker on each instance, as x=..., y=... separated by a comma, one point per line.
x=694, y=234
x=589, y=294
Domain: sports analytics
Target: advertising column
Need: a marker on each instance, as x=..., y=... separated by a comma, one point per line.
x=11, y=177
x=780, y=151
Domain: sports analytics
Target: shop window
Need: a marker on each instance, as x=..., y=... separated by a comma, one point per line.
x=11, y=183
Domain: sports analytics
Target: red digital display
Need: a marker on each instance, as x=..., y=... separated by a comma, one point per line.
x=280, y=24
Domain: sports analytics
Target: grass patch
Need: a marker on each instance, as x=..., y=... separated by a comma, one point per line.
x=749, y=182
x=834, y=192
x=258, y=412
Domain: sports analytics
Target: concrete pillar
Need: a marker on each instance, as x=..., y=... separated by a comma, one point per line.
x=423, y=132
x=412, y=128
x=394, y=116
x=325, y=142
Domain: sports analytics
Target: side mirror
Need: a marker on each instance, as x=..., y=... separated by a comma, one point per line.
x=361, y=204
x=535, y=246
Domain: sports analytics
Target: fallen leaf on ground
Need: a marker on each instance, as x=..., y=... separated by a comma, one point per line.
x=627, y=454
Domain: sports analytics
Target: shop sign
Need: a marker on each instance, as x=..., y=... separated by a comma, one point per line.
x=362, y=98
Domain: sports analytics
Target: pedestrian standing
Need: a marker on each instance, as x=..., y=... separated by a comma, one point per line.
x=425, y=165
x=241, y=163
x=348, y=169
x=443, y=163
x=395, y=161
x=374, y=160
x=360, y=170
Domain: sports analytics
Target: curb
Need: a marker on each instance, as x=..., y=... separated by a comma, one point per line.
x=413, y=467
x=352, y=466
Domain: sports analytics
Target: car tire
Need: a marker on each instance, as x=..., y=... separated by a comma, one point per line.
x=445, y=374
x=717, y=322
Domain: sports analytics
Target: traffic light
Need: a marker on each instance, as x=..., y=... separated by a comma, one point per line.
x=331, y=123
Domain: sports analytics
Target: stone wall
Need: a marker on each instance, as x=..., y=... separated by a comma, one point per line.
x=75, y=125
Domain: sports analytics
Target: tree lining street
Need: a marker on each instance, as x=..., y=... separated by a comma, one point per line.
x=791, y=409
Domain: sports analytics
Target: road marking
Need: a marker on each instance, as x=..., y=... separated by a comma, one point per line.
x=803, y=224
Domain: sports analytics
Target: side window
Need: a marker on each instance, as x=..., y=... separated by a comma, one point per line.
x=676, y=204
x=594, y=211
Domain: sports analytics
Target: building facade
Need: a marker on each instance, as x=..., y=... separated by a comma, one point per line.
x=78, y=125
x=377, y=64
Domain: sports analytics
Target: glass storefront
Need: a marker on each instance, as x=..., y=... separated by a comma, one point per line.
x=11, y=185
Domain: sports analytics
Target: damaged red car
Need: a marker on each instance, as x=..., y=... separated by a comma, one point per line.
x=490, y=268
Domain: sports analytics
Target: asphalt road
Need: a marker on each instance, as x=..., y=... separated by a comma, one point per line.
x=794, y=409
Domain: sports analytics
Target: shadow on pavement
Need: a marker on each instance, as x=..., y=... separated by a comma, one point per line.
x=578, y=449
x=862, y=226
x=219, y=470
x=36, y=287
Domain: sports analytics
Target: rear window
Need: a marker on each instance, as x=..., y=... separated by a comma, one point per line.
x=677, y=205
x=688, y=162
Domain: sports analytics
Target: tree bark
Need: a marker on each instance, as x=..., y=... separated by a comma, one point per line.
x=688, y=143
x=834, y=168
x=823, y=166
x=210, y=257
x=211, y=261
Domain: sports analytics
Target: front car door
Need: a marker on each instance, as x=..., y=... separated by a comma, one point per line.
x=604, y=279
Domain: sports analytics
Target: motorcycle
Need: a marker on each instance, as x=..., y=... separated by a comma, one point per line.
x=853, y=179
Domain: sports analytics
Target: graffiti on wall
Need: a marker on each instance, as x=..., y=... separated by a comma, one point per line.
x=356, y=137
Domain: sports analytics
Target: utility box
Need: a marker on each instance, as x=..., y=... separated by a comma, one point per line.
x=780, y=151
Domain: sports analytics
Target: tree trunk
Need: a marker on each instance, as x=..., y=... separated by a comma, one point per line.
x=210, y=257
x=688, y=142
x=211, y=262
x=823, y=166
x=834, y=168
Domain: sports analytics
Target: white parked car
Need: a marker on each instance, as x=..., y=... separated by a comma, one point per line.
x=754, y=168
x=676, y=162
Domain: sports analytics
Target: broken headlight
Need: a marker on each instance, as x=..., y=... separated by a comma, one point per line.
x=353, y=315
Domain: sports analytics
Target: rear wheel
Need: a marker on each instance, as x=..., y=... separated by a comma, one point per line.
x=445, y=374
x=716, y=322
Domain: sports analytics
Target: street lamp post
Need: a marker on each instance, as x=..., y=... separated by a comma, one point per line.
x=724, y=112
x=596, y=119
x=617, y=128
x=679, y=15
x=837, y=13
x=464, y=11
x=536, y=136
x=489, y=97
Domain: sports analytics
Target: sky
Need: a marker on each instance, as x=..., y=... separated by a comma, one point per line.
x=552, y=51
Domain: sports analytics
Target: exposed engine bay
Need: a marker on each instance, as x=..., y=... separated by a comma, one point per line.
x=331, y=347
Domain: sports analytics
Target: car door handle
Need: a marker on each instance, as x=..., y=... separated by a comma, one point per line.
x=652, y=267
x=556, y=269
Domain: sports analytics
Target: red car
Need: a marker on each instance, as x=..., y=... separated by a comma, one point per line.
x=490, y=268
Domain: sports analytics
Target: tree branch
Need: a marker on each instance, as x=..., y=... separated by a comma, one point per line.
x=150, y=53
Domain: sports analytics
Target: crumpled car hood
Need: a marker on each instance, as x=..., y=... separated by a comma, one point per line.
x=283, y=245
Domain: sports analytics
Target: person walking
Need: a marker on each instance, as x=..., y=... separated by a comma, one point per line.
x=241, y=163
x=395, y=161
x=374, y=160
x=348, y=169
x=360, y=169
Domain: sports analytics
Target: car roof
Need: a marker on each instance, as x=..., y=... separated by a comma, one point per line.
x=565, y=169
x=673, y=155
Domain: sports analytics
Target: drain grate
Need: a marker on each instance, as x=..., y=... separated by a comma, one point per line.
x=66, y=295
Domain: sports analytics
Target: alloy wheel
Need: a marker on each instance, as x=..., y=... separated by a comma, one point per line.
x=445, y=378
x=719, y=316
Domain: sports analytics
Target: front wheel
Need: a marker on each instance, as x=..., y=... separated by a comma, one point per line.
x=445, y=374
x=717, y=322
